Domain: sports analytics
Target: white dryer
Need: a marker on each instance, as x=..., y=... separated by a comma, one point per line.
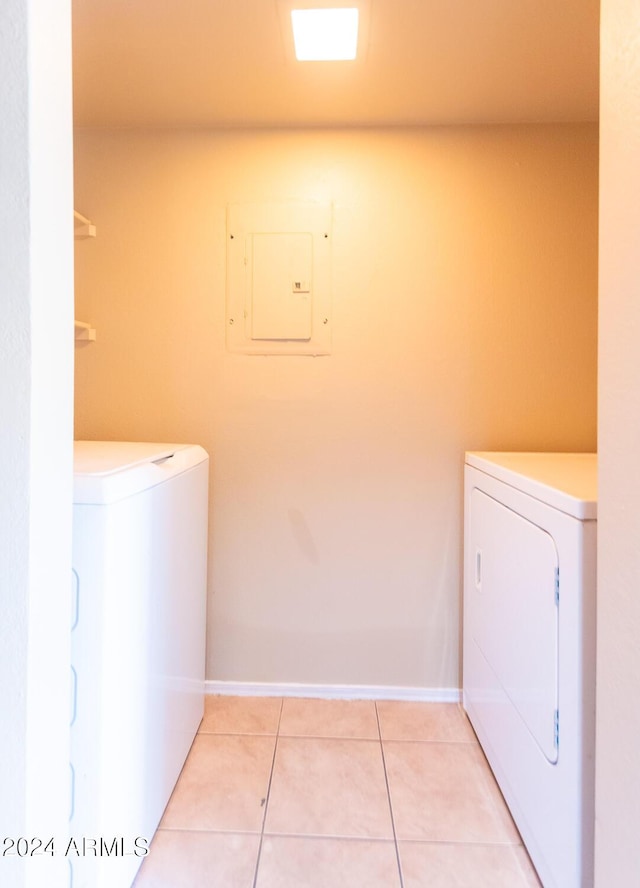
x=529, y=646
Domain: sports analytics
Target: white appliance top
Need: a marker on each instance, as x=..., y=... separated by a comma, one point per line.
x=566, y=481
x=107, y=471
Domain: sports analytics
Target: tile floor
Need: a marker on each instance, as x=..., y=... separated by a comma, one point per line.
x=293, y=793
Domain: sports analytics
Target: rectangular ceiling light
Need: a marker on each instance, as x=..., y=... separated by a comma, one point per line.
x=325, y=35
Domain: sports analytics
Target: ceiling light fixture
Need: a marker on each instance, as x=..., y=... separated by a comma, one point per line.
x=325, y=35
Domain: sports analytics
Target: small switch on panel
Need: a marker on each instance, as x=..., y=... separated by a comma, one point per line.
x=300, y=287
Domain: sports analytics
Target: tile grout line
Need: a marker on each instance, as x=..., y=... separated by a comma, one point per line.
x=386, y=780
x=266, y=801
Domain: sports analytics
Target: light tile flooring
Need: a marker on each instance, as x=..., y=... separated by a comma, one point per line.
x=299, y=793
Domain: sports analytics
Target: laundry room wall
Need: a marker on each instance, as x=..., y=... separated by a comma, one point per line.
x=464, y=317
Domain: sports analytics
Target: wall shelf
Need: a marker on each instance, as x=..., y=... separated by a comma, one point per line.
x=84, y=332
x=82, y=227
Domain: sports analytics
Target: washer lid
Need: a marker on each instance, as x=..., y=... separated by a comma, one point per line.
x=107, y=471
x=566, y=481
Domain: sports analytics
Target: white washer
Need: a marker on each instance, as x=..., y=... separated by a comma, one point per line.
x=137, y=645
x=529, y=646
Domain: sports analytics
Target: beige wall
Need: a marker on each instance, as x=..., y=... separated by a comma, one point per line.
x=464, y=317
x=618, y=722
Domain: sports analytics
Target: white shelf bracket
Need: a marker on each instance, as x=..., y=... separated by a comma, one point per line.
x=84, y=332
x=82, y=227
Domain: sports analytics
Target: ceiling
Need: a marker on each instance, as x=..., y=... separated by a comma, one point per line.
x=226, y=63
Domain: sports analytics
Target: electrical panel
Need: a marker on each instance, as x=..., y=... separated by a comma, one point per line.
x=279, y=278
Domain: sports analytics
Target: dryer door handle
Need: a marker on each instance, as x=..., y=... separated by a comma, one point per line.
x=478, y=570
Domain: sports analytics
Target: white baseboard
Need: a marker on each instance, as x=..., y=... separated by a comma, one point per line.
x=333, y=692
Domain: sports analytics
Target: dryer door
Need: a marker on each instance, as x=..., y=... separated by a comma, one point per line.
x=516, y=614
